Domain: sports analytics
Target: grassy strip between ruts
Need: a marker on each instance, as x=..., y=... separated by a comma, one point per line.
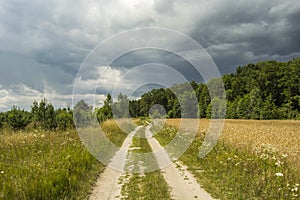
x=41, y=164
x=231, y=173
x=149, y=185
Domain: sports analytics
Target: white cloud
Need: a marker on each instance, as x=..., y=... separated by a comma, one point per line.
x=23, y=96
x=104, y=78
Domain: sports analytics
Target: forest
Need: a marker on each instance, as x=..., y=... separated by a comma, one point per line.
x=265, y=90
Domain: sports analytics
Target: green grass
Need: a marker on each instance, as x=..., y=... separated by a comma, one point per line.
x=229, y=173
x=37, y=164
x=147, y=186
x=165, y=136
x=45, y=165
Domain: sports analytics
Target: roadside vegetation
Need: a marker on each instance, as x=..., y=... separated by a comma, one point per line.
x=238, y=167
x=42, y=164
x=45, y=165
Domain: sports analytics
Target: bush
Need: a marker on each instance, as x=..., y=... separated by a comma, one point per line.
x=2, y=118
x=17, y=118
x=64, y=119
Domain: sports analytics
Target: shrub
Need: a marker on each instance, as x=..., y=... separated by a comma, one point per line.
x=17, y=118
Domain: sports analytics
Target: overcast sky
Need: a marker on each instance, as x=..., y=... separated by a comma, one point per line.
x=43, y=43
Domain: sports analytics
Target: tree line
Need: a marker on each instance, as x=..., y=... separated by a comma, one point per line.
x=42, y=115
x=265, y=90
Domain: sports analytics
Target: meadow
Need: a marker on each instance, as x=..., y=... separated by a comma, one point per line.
x=39, y=164
x=252, y=160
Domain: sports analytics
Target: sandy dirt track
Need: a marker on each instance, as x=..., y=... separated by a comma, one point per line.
x=107, y=186
x=183, y=184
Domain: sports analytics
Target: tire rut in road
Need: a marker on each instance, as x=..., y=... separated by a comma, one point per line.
x=107, y=185
x=183, y=184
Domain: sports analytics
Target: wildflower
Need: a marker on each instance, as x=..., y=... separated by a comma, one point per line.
x=278, y=163
x=284, y=155
x=264, y=156
x=2, y=172
x=279, y=174
x=295, y=188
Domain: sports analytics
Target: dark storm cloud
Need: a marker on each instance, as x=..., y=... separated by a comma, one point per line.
x=241, y=32
x=43, y=43
x=68, y=61
x=145, y=56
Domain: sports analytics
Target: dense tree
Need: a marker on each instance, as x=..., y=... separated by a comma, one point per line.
x=266, y=90
x=17, y=118
x=269, y=109
x=82, y=114
x=2, y=119
x=120, y=109
x=216, y=109
x=105, y=112
x=204, y=100
x=175, y=111
x=134, y=108
x=64, y=119
x=43, y=114
x=189, y=104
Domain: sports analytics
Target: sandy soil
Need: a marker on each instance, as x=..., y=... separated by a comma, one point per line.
x=183, y=184
x=107, y=186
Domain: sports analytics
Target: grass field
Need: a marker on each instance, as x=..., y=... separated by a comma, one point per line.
x=45, y=165
x=37, y=164
x=253, y=159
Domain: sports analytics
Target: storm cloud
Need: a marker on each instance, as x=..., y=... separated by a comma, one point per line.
x=43, y=43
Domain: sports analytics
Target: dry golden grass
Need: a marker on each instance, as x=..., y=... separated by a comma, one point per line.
x=282, y=135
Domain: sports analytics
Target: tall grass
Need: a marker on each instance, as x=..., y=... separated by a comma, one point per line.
x=37, y=164
x=45, y=165
x=257, y=165
x=117, y=131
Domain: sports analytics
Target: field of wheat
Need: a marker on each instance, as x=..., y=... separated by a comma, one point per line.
x=280, y=136
x=252, y=159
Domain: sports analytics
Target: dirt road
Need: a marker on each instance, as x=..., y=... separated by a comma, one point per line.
x=183, y=184
x=107, y=186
